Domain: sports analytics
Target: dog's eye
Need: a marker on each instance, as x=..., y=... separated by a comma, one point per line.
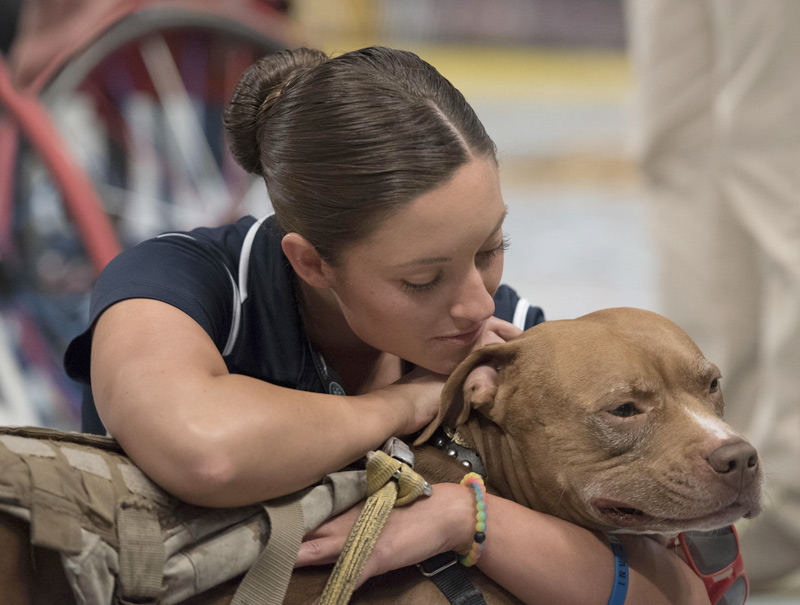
x=625, y=410
x=714, y=386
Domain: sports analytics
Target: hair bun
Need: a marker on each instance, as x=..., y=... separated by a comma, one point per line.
x=258, y=89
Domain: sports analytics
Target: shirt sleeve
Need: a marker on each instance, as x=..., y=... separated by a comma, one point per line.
x=178, y=269
x=510, y=306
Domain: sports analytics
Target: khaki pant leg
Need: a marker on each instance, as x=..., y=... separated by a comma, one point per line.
x=758, y=109
x=709, y=278
x=718, y=137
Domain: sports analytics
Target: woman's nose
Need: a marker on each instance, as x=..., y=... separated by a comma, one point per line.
x=473, y=301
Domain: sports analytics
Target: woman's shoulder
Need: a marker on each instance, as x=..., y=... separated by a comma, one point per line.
x=229, y=239
x=512, y=307
x=194, y=271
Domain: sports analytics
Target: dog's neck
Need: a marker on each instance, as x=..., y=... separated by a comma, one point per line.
x=505, y=470
x=508, y=474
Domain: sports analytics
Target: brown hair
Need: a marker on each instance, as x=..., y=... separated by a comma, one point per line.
x=342, y=142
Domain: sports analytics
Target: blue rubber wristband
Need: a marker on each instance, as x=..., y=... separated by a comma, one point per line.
x=620, y=589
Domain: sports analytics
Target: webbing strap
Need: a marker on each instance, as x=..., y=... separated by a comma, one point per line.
x=358, y=546
x=389, y=483
x=54, y=517
x=268, y=578
x=141, y=551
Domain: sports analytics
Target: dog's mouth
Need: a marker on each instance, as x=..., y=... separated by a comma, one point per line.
x=621, y=514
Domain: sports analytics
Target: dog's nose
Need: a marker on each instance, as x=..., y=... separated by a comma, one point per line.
x=736, y=462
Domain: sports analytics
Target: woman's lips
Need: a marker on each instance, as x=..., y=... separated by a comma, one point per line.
x=463, y=338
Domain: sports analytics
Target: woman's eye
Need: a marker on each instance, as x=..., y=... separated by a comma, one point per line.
x=416, y=288
x=487, y=255
x=626, y=410
x=714, y=386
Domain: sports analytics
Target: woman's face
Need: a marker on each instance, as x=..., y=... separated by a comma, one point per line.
x=421, y=286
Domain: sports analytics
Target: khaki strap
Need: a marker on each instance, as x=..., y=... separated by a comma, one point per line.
x=268, y=578
x=390, y=483
x=141, y=551
x=54, y=516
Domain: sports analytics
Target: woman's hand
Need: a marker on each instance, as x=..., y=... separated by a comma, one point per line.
x=423, y=388
x=497, y=330
x=438, y=523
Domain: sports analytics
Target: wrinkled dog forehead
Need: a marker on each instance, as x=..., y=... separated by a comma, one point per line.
x=561, y=361
x=628, y=344
x=579, y=367
x=576, y=356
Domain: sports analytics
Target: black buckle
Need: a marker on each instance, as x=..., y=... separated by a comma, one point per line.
x=437, y=564
x=452, y=579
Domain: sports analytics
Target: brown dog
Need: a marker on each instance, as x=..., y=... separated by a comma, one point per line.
x=611, y=421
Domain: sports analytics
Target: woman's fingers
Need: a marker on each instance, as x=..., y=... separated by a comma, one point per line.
x=323, y=545
x=318, y=552
x=425, y=389
x=504, y=329
x=498, y=330
x=411, y=534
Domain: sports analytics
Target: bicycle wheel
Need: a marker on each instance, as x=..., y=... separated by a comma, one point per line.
x=40, y=294
x=45, y=279
x=140, y=110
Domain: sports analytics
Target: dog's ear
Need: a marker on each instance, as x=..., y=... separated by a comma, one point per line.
x=471, y=385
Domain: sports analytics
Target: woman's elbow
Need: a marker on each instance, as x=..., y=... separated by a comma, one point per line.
x=204, y=478
x=189, y=465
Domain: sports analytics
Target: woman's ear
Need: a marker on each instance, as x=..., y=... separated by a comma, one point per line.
x=306, y=261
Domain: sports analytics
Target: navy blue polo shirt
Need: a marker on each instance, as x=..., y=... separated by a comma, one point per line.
x=237, y=284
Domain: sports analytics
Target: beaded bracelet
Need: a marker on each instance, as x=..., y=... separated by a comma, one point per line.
x=475, y=481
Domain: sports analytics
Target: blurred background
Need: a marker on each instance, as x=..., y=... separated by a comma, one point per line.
x=135, y=91
x=140, y=113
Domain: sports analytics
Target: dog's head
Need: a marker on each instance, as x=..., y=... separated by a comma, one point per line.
x=612, y=420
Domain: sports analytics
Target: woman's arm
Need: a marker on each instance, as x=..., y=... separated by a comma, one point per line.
x=539, y=558
x=218, y=439
x=543, y=559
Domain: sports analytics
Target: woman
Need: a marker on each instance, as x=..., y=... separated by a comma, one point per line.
x=242, y=363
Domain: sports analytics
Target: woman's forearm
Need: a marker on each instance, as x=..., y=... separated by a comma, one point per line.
x=542, y=559
x=219, y=439
x=537, y=557
x=235, y=440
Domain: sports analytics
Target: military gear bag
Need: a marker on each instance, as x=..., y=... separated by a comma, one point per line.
x=122, y=539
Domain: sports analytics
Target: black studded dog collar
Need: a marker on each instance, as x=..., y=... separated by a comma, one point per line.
x=446, y=440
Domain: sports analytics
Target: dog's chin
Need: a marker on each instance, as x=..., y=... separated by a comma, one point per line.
x=620, y=517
